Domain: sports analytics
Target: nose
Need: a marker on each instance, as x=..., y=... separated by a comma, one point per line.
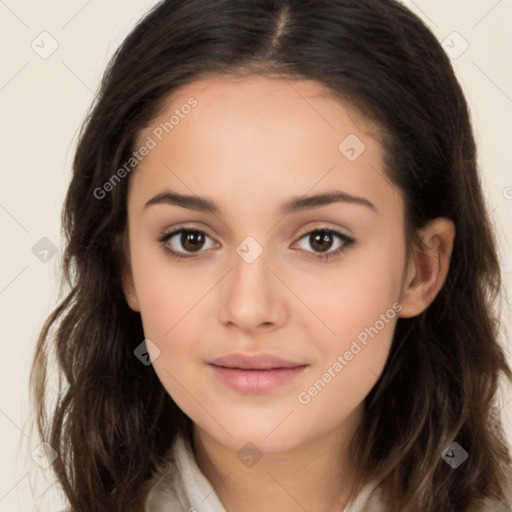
x=252, y=296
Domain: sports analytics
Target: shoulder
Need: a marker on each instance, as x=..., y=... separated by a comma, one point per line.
x=179, y=484
x=369, y=499
x=165, y=491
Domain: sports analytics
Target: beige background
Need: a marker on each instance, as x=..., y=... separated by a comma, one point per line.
x=43, y=101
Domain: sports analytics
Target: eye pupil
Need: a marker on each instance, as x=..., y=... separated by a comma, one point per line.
x=323, y=239
x=190, y=238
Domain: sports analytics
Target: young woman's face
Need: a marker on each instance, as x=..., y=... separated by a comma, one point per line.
x=251, y=279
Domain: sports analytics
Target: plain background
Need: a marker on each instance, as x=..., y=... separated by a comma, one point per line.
x=43, y=102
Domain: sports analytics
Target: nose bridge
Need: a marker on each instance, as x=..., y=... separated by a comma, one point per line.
x=252, y=296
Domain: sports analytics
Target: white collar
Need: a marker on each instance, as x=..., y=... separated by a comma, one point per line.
x=182, y=484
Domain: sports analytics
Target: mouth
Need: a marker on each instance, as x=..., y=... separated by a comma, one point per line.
x=255, y=374
x=254, y=362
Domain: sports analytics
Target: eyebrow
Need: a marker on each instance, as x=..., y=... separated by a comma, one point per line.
x=294, y=205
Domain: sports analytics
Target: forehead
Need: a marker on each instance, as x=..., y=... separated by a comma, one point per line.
x=297, y=107
x=262, y=138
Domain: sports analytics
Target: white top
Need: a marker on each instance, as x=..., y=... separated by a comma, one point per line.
x=183, y=488
x=180, y=486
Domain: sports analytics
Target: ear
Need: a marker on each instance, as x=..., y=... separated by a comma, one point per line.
x=129, y=289
x=123, y=252
x=428, y=267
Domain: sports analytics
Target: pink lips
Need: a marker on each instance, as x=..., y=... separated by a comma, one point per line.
x=255, y=374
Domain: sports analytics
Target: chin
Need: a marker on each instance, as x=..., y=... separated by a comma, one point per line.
x=255, y=438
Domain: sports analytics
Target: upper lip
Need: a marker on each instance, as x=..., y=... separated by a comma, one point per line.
x=254, y=362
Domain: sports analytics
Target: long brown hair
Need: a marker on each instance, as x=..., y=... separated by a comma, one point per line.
x=112, y=421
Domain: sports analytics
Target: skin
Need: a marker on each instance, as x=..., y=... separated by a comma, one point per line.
x=251, y=144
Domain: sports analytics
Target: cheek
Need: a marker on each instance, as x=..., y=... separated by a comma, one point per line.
x=353, y=358
x=167, y=293
x=359, y=308
x=168, y=310
x=364, y=291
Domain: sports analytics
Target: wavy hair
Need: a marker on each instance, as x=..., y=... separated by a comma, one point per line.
x=112, y=421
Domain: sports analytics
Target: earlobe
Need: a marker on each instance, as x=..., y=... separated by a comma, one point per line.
x=428, y=267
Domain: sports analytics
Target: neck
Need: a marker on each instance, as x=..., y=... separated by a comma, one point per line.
x=315, y=475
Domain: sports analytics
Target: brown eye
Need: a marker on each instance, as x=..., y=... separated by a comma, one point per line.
x=321, y=240
x=192, y=240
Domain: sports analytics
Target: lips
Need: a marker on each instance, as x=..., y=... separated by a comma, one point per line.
x=254, y=362
x=255, y=374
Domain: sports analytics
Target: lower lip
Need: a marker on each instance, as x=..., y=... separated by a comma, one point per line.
x=256, y=381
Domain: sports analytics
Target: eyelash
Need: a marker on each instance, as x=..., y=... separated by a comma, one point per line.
x=322, y=257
